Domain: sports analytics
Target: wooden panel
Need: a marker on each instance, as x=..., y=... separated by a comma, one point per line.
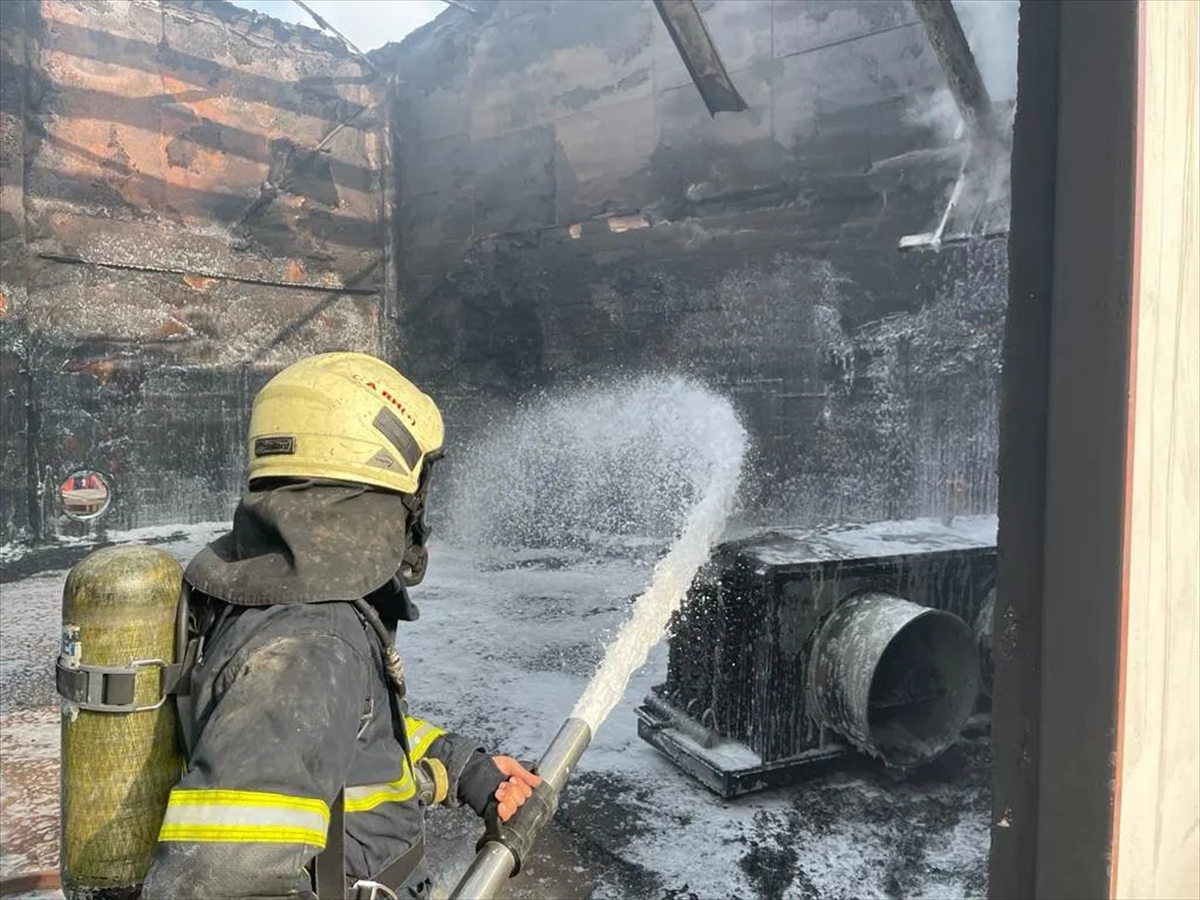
x=1158, y=813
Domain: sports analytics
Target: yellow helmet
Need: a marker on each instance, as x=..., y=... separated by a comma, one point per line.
x=344, y=416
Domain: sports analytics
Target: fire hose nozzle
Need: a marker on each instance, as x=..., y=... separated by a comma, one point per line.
x=519, y=832
x=504, y=845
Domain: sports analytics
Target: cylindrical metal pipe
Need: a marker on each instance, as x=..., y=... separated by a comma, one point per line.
x=896, y=679
x=494, y=862
x=685, y=725
x=564, y=751
x=492, y=866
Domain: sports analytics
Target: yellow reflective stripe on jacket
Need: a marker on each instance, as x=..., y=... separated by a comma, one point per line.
x=364, y=797
x=421, y=736
x=244, y=817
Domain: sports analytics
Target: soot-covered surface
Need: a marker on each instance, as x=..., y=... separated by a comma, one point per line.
x=503, y=649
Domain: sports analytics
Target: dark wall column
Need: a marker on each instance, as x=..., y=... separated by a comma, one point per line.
x=1063, y=450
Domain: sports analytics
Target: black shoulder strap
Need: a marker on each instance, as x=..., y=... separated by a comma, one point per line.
x=329, y=869
x=329, y=872
x=183, y=698
x=189, y=641
x=194, y=623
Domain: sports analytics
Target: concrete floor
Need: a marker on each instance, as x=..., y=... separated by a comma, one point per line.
x=503, y=648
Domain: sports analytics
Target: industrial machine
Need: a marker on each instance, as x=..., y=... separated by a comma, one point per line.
x=798, y=648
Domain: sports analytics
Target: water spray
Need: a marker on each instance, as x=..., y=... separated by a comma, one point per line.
x=664, y=446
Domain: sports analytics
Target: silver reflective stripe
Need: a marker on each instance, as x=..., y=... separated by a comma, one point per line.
x=363, y=797
x=421, y=737
x=244, y=816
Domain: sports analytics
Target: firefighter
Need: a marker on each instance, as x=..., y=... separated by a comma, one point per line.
x=303, y=758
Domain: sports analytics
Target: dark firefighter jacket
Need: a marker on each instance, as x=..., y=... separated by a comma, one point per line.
x=290, y=703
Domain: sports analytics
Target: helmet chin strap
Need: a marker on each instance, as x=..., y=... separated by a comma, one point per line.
x=416, y=555
x=412, y=570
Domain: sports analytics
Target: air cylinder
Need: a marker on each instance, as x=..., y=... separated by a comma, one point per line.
x=895, y=679
x=120, y=748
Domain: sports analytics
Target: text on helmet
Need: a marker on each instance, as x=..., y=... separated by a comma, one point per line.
x=387, y=395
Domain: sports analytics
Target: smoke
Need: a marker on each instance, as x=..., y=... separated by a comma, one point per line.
x=991, y=30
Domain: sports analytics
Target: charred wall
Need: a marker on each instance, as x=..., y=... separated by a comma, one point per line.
x=569, y=208
x=170, y=236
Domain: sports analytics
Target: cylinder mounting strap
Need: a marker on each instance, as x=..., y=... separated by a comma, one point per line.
x=113, y=688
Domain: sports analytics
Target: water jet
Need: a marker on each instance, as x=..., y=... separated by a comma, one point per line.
x=651, y=455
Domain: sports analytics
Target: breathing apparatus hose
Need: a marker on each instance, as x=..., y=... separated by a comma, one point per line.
x=391, y=657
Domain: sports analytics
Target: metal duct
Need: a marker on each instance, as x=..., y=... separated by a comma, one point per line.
x=896, y=679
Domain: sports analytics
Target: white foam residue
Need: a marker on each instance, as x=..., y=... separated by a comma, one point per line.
x=190, y=534
x=876, y=539
x=729, y=755
x=29, y=746
x=951, y=854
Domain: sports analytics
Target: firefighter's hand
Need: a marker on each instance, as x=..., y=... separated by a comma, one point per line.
x=513, y=793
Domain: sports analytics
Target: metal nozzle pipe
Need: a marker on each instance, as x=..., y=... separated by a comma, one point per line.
x=494, y=863
x=564, y=751
x=487, y=873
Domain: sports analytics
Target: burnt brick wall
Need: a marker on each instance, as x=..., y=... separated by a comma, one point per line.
x=170, y=238
x=15, y=502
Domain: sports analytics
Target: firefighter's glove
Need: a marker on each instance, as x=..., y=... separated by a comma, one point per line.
x=516, y=789
x=495, y=780
x=519, y=831
x=479, y=781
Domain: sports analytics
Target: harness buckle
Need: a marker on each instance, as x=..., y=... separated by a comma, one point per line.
x=112, y=688
x=364, y=720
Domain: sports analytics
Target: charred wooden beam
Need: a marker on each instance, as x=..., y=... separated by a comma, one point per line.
x=69, y=259
x=699, y=54
x=321, y=23
x=962, y=74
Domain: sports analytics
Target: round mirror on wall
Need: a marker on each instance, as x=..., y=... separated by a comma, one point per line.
x=85, y=495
